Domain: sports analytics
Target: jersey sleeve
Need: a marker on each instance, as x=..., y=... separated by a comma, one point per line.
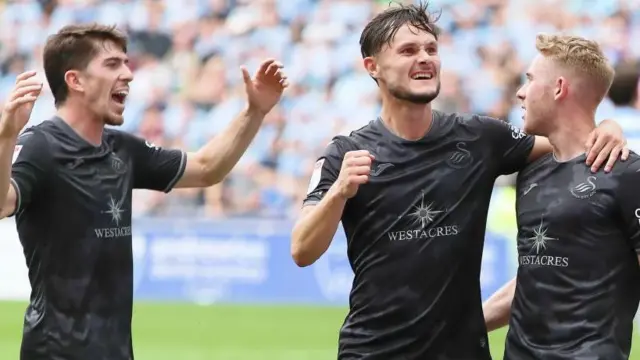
x=511, y=146
x=628, y=197
x=325, y=172
x=155, y=168
x=29, y=168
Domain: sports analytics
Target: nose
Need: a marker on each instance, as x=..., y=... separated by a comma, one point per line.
x=127, y=74
x=423, y=57
x=520, y=93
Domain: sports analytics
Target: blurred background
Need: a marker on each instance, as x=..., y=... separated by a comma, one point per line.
x=214, y=279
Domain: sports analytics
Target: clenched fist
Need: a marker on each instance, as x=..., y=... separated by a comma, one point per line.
x=18, y=106
x=355, y=170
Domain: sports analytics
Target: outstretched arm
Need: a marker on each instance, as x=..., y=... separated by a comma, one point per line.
x=213, y=162
x=18, y=181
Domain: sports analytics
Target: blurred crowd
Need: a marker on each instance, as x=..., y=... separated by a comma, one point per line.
x=186, y=56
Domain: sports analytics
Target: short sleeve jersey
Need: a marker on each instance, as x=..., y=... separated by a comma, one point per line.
x=73, y=214
x=415, y=234
x=578, y=280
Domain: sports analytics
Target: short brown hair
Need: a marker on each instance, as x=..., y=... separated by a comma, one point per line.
x=624, y=90
x=580, y=55
x=72, y=48
x=382, y=29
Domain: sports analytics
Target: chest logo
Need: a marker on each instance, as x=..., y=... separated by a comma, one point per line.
x=117, y=164
x=585, y=189
x=424, y=214
x=115, y=210
x=423, y=221
x=540, y=238
x=461, y=157
x=538, y=243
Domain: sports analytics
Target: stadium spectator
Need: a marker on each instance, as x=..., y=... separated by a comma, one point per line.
x=185, y=54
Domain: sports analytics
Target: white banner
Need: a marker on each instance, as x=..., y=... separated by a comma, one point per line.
x=14, y=280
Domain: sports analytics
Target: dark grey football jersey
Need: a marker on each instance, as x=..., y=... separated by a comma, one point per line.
x=578, y=278
x=74, y=222
x=415, y=235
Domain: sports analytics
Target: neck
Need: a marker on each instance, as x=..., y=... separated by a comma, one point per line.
x=83, y=121
x=569, y=138
x=406, y=120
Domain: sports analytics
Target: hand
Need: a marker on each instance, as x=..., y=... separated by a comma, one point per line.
x=265, y=89
x=606, y=141
x=19, y=104
x=355, y=170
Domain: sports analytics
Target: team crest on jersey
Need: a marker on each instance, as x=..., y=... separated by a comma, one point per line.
x=460, y=158
x=315, y=176
x=584, y=189
x=16, y=153
x=117, y=164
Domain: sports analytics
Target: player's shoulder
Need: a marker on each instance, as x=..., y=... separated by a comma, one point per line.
x=466, y=119
x=362, y=131
x=459, y=117
x=112, y=133
x=536, y=167
x=629, y=166
x=352, y=139
x=479, y=123
x=124, y=138
x=39, y=134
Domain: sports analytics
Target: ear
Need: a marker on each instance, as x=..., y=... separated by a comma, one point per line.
x=74, y=81
x=371, y=66
x=561, y=88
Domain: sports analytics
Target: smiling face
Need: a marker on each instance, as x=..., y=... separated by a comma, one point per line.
x=408, y=67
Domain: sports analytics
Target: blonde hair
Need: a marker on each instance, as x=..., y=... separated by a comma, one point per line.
x=581, y=56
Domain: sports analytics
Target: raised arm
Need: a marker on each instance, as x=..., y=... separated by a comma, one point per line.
x=497, y=309
x=213, y=162
x=15, y=115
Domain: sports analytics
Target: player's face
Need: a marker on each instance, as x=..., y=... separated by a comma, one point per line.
x=106, y=83
x=537, y=97
x=409, y=67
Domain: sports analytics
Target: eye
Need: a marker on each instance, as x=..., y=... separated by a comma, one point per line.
x=407, y=51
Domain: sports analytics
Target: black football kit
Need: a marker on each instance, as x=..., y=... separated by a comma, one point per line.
x=73, y=214
x=415, y=235
x=578, y=280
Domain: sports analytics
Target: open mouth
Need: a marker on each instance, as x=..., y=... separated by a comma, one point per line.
x=422, y=75
x=120, y=96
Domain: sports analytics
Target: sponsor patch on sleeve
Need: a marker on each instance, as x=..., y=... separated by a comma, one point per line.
x=315, y=176
x=16, y=152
